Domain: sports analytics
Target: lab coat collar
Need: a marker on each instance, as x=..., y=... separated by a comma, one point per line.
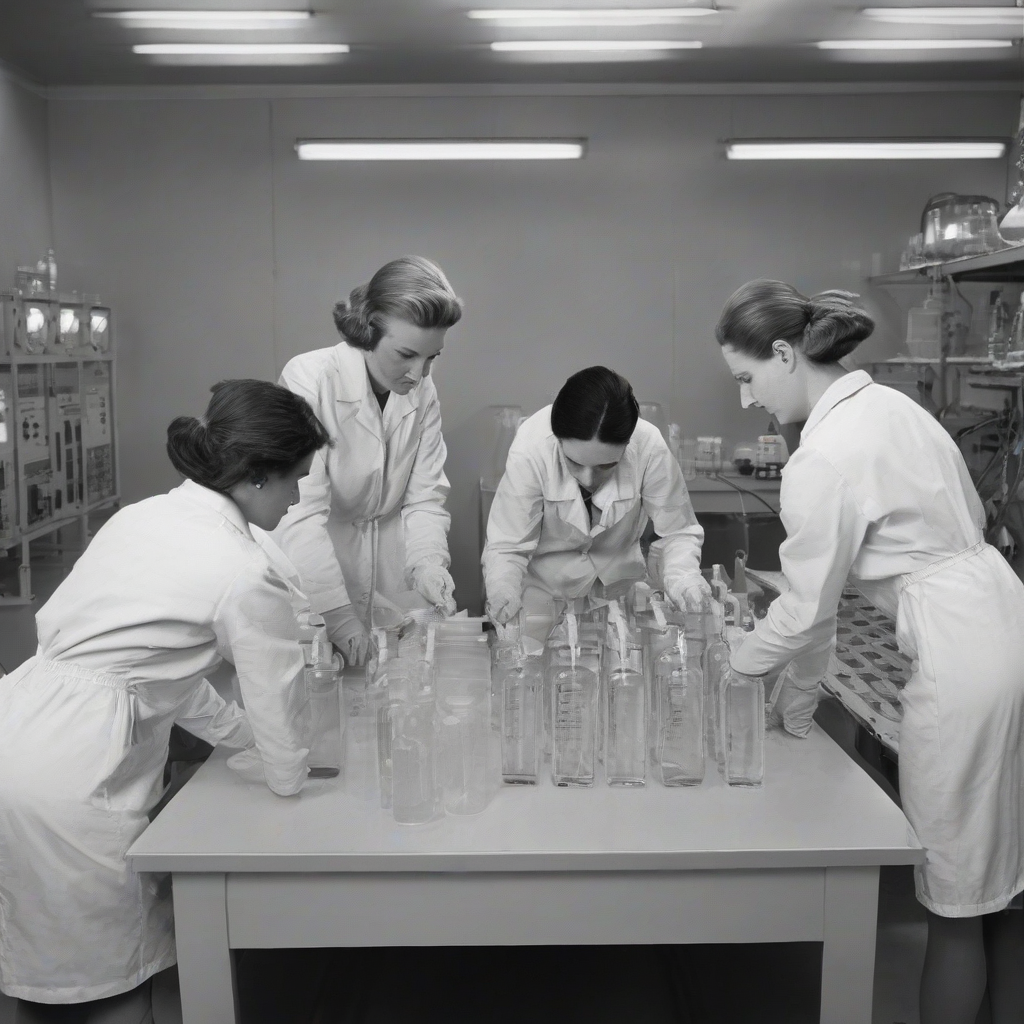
x=356, y=396
x=618, y=487
x=842, y=389
x=220, y=503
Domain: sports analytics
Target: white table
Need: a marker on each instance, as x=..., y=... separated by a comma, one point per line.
x=795, y=861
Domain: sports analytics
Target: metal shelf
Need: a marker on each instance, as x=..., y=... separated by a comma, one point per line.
x=1004, y=265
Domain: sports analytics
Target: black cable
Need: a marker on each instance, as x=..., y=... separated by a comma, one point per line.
x=743, y=490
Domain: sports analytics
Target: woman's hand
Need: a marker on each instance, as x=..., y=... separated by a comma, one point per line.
x=503, y=603
x=347, y=633
x=690, y=593
x=435, y=584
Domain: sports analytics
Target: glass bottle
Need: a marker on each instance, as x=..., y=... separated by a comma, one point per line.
x=326, y=723
x=716, y=664
x=743, y=729
x=574, y=692
x=679, y=686
x=414, y=795
x=998, y=327
x=625, y=758
x=465, y=734
x=521, y=699
x=1016, y=341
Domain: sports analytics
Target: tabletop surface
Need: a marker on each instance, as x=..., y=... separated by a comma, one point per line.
x=816, y=808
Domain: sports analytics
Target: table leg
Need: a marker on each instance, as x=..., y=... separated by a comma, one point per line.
x=848, y=955
x=206, y=970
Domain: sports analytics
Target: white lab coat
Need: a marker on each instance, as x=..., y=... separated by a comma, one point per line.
x=539, y=536
x=168, y=588
x=879, y=491
x=372, y=507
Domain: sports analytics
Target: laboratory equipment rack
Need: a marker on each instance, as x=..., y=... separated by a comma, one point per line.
x=98, y=404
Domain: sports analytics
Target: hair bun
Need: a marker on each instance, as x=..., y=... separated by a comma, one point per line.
x=836, y=325
x=351, y=320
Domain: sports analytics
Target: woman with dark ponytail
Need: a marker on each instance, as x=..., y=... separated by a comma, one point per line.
x=878, y=491
x=371, y=523
x=168, y=589
x=583, y=478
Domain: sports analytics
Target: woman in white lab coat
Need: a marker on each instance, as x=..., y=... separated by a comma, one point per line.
x=879, y=491
x=583, y=477
x=166, y=590
x=372, y=517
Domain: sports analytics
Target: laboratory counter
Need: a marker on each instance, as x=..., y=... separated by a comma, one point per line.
x=796, y=860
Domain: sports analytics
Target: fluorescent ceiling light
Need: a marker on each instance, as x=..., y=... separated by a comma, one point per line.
x=865, y=150
x=1012, y=16
x=561, y=17
x=211, y=20
x=592, y=45
x=913, y=44
x=240, y=49
x=437, y=149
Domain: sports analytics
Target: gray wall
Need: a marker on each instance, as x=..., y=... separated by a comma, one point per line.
x=25, y=227
x=222, y=253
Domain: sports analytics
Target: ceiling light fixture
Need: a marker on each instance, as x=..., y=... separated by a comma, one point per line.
x=914, y=44
x=207, y=20
x=240, y=49
x=562, y=17
x=863, y=149
x=1011, y=16
x=593, y=45
x=439, y=149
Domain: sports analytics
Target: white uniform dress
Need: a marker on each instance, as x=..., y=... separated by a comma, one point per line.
x=879, y=491
x=541, y=540
x=372, y=508
x=168, y=588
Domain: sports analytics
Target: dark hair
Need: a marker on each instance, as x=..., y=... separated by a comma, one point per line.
x=251, y=428
x=827, y=326
x=411, y=288
x=595, y=403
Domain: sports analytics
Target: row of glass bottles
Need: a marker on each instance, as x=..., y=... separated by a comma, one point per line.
x=631, y=693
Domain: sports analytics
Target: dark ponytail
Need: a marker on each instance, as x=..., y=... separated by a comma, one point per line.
x=595, y=404
x=251, y=428
x=826, y=327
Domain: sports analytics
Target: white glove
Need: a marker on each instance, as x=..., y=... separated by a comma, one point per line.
x=248, y=764
x=435, y=584
x=347, y=633
x=798, y=689
x=503, y=603
x=690, y=593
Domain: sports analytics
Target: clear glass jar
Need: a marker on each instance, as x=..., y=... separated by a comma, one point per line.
x=521, y=730
x=574, y=693
x=679, y=689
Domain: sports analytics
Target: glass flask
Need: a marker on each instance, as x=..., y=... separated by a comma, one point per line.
x=679, y=687
x=465, y=732
x=743, y=729
x=716, y=665
x=393, y=682
x=521, y=699
x=326, y=723
x=574, y=691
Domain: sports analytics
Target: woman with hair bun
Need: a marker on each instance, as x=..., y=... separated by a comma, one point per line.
x=168, y=589
x=878, y=491
x=371, y=522
x=583, y=477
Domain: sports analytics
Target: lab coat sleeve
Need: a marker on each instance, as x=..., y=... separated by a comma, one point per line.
x=424, y=515
x=302, y=533
x=211, y=718
x=667, y=502
x=256, y=629
x=514, y=525
x=825, y=528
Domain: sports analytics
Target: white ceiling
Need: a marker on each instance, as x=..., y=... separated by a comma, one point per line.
x=60, y=43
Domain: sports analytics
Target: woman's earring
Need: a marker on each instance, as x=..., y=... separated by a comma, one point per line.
x=259, y=484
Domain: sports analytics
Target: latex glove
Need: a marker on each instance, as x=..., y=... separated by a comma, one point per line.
x=690, y=593
x=798, y=689
x=248, y=764
x=503, y=603
x=347, y=633
x=435, y=584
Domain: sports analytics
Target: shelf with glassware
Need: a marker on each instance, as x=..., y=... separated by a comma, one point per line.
x=58, y=437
